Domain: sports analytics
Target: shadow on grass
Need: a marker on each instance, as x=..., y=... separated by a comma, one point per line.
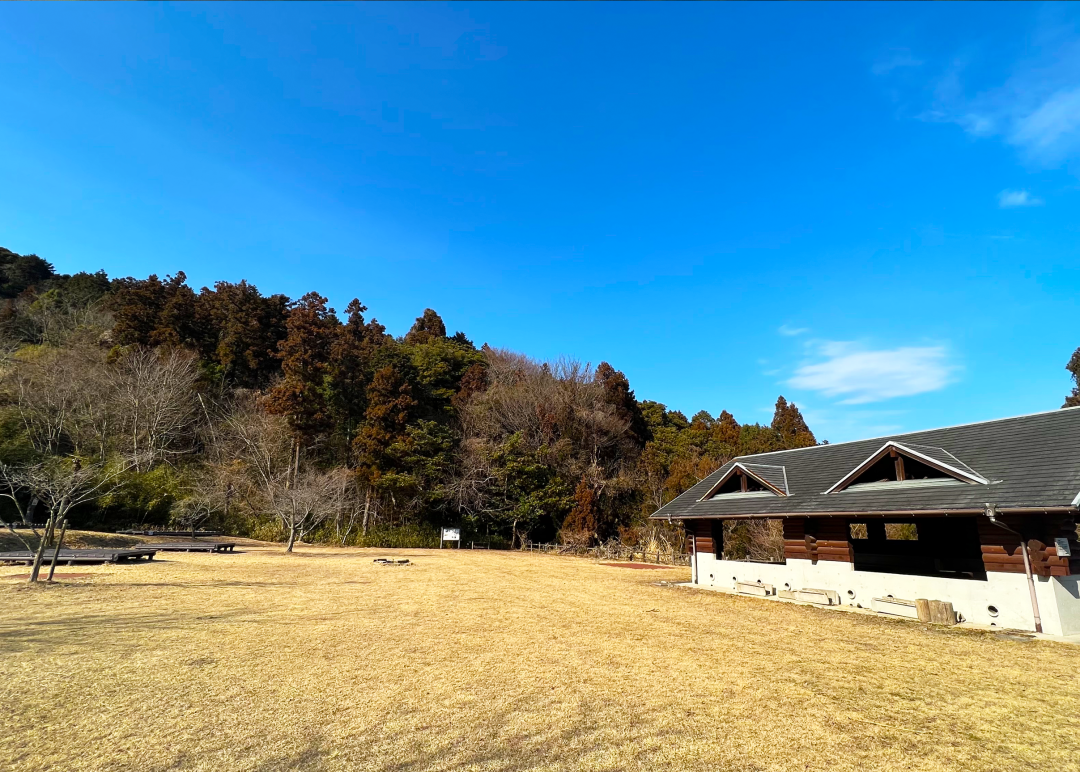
x=78, y=630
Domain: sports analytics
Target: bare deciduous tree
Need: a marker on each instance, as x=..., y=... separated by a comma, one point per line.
x=311, y=499
x=60, y=485
x=143, y=404
x=254, y=451
x=154, y=404
x=56, y=393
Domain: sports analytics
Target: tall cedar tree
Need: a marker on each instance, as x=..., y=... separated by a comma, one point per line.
x=302, y=396
x=789, y=423
x=426, y=328
x=727, y=429
x=244, y=331
x=389, y=406
x=137, y=306
x=19, y=273
x=582, y=518
x=351, y=355
x=1073, y=400
x=617, y=393
x=473, y=381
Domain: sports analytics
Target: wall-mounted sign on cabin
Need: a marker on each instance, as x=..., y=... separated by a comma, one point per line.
x=1062, y=548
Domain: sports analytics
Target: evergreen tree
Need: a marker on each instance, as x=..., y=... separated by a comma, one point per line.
x=351, y=355
x=790, y=425
x=582, y=518
x=617, y=392
x=426, y=328
x=389, y=405
x=1073, y=400
x=19, y=273
x=244, y=330
x=302, y=394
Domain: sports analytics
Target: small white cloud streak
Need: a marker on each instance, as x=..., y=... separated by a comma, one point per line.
x=1009, y=199
x=861, y=376
x=786, y=329
x=1036, y=109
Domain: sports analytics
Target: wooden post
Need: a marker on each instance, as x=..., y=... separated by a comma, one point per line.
x=922, y=605
x=941, y=613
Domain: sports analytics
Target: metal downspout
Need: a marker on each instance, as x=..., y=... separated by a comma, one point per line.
x=991, y=513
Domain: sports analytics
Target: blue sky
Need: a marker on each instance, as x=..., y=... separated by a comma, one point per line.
x=869, y=209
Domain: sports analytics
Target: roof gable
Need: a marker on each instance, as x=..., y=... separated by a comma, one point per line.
x=772, y=478
x=936, y=458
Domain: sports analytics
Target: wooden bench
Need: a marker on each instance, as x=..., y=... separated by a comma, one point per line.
x=85, y=557
x=189, y=546
x=156, y=532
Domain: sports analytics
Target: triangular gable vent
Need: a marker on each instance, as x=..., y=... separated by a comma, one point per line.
x=898, y=463
x=750, y=478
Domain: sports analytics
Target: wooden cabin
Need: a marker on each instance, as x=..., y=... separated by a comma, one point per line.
x=944, y=514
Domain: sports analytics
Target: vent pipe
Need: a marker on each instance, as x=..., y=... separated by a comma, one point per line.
x=991, y=513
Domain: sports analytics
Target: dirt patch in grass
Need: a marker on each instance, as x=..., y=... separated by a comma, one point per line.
x=499, y=661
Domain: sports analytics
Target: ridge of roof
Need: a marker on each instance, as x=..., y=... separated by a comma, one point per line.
x=914, y=431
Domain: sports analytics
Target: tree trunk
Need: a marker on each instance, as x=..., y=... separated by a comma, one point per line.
x=28, y=518
x=292, y=538
x=367, y=511
x=59, y=546
x=46, y=537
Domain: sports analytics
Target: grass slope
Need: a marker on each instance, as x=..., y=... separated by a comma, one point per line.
x=499, y=661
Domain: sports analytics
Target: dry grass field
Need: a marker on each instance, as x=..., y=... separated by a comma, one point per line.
x=498, y=661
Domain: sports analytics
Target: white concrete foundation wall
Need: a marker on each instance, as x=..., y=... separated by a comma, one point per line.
x=1059, y=598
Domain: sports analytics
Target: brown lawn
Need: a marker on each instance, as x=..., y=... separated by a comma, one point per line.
x=498, y=661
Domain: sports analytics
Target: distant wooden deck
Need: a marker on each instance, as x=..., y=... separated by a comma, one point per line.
x=155, y=532
x=72, y=557
x=189, y=546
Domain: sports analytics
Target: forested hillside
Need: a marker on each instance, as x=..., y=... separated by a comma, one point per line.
x=145, y=401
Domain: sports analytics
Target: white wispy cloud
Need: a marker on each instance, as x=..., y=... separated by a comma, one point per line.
x=1007, y=199
x=787, y=329
x=860, y=375
x=1035, y=108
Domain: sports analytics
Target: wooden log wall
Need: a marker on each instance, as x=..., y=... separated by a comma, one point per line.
x=834, y=540
x=823, y=538
x=703, y=540
x=1002, y=551
x=798, y=544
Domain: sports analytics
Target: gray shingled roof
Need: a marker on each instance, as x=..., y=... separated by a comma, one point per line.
x=1031, y=462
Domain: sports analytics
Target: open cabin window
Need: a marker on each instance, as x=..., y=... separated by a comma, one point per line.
x=944, y=547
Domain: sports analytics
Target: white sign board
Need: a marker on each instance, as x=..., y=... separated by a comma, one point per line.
x=451, y=534
x=1063, y=547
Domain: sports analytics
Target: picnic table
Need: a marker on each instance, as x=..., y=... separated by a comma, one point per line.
x=73, y=556
x=189, y=546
